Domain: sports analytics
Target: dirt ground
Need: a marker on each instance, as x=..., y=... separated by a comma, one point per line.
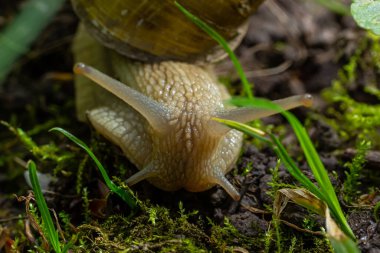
x=292, y=47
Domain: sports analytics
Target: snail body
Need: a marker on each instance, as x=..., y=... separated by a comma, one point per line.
x=183, y=151
x=160, y=115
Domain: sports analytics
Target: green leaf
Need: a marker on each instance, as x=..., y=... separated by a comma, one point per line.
x=367, y=14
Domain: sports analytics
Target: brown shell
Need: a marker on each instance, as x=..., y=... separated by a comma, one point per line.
x=157, y=30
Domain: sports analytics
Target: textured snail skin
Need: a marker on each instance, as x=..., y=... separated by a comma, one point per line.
x=184, y=155
x=162, y=119
x=183, y=152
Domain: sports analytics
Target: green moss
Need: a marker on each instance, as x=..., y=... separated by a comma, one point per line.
x=65, y=221
x=350, y=117
x=293, y=244
x=155, y=229
x=376, y=211
x=79, y=174
x=226, y=238
x=268, y=240
x=85, y=205
x=352, y=182
x=294, y=241
x=275, y=182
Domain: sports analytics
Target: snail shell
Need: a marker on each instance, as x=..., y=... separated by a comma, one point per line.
x=157, y=30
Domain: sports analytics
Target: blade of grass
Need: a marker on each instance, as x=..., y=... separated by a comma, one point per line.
x=69, y=244
x=311, y=155
x=280, y=151
x=320, y=173
x=52, y=234
x=293, y=169
x=254, y=132
x=124, y=195
x=16, y=38
x=327, y=192
x=223, y=43
x=339, y=240
x=335, y=6
x=340, y=243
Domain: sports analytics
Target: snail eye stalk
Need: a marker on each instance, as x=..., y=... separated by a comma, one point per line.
x=156, y=114
x=247, y=114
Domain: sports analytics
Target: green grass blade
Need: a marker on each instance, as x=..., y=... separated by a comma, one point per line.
x=310, y=153
x=278, y=148
x=320, y=173
x=48, y=224
x=16, y=38
x=335, y=6
x=254, y=132
x=340, y=241
x=69, y=245
x=327, y=192
x=344, y=246
x=340, y=244
x=223, y=43
x=293, y=169
x=126, y=196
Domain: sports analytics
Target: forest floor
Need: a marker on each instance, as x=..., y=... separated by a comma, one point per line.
x=292, y=47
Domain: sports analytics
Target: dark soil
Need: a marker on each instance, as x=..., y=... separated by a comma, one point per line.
x=292, y=47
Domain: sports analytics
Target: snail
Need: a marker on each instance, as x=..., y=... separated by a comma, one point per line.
x=159, y=112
